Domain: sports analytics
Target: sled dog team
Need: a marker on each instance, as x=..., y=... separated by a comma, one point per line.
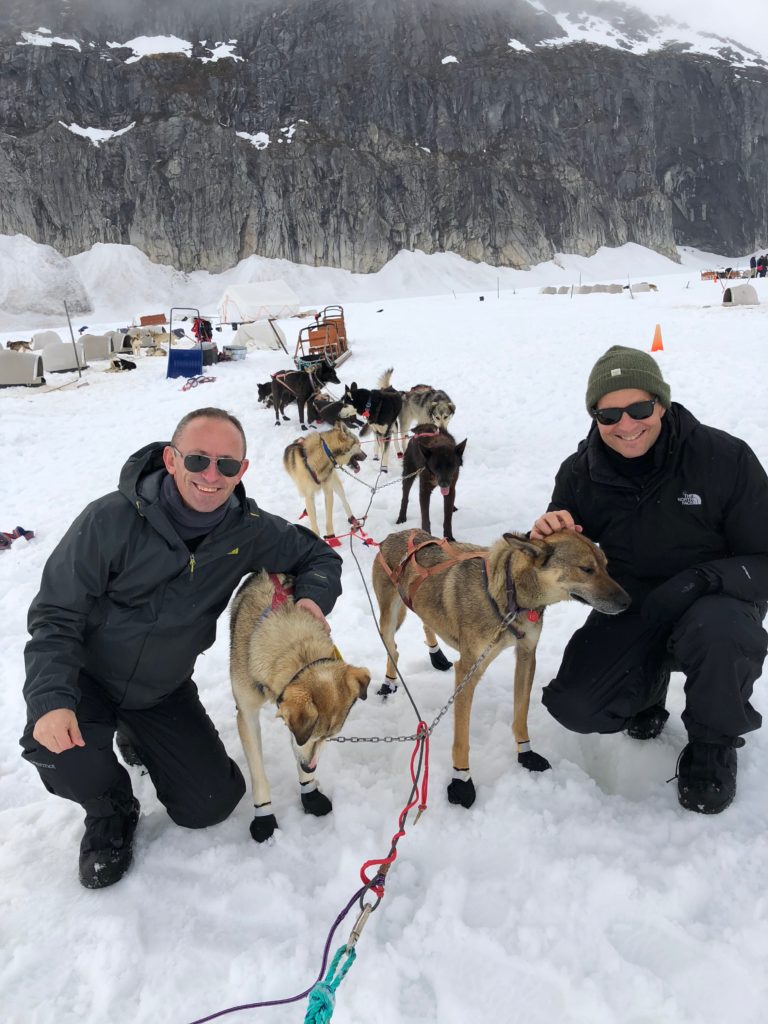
x=132, y=594
x=477, y=600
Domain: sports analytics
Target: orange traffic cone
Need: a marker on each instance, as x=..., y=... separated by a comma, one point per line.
x=658, y=344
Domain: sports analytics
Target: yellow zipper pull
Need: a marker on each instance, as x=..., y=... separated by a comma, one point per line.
x=191, y=564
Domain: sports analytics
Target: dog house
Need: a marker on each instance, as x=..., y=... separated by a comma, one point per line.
x=43, y=338
x=97, y=346
x=21, y=369
x=740, y=295
x=60, y=356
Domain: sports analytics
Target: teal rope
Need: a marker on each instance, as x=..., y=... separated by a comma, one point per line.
x=322, y=998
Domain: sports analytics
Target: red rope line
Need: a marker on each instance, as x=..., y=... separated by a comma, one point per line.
x=422, y=736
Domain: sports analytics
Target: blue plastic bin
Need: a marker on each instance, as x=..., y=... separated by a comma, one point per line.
x=185, y=362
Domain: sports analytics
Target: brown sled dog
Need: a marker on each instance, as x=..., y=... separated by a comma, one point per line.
x=280, y=653
x=311, y=463
x=480, y=601
x=433, y=454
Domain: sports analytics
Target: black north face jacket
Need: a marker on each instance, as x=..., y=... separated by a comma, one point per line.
x=123, y=600
x=705, y=504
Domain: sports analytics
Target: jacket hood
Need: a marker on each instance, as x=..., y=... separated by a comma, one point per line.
x=142, y=475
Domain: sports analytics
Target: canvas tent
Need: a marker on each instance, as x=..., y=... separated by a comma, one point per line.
x=246, y=303
x=740, y=295
x=264, y=334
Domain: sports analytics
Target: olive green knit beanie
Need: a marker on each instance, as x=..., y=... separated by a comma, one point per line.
x=621, y=367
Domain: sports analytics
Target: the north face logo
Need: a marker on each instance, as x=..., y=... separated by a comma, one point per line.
x=689, y=499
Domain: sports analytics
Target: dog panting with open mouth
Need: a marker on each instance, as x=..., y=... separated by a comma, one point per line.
x=282, y=654
x=481, y=601
x=311, y=463
x=433, y=455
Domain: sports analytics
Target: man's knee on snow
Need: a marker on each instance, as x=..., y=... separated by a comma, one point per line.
x=573, y=710
x=209, y=807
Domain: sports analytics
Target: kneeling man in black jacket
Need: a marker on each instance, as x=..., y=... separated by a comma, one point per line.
x=128, y=600
x=680, y=510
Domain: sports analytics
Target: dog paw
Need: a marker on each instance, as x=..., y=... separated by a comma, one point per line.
x=303, y=426
x=461, y=792
x=262, y=828
x=439, y=661
x=386, y=689
x=316, y=803
x=533, y=762
x=400, y=519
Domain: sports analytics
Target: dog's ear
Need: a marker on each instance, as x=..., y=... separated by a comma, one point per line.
x=298, y=711
x=358, y=680
x=534, y=548
x=460, y=450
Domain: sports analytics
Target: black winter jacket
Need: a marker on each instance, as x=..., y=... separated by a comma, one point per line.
x=704, y=504
x=123, y=600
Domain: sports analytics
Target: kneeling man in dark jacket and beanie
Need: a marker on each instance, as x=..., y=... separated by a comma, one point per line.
x=680, y=510
x=128, y=600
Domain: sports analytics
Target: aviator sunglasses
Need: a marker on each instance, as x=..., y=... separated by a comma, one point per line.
x=637, y=410
x=199, y=463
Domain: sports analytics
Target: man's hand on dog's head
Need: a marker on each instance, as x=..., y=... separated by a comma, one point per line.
x=551, y=522
x=314, y=610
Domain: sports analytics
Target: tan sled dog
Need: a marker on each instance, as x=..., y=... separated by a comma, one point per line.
x=280, y=653
x=480, y=601
x=311, y=461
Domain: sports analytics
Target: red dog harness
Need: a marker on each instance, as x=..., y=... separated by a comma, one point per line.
x=423, y=572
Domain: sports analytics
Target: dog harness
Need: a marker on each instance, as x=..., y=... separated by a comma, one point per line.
x=281, y=592
x=298, y=444
x=423, y=572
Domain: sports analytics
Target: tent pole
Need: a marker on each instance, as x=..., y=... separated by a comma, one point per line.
x=279, y=339
x=72, y=335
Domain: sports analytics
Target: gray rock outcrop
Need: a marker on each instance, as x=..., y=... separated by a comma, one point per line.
x=340, y=132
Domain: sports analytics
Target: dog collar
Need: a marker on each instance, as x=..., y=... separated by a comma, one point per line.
x=317, y=661
x=532, y=614
x=329, y=453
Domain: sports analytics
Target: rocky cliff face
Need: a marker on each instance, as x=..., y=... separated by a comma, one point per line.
x=336, y=132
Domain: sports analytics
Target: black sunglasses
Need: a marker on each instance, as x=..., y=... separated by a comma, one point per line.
x=638, y=411
x=199, y=463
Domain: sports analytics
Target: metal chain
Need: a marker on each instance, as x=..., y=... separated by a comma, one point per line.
x=377, y=486
x=444, y=709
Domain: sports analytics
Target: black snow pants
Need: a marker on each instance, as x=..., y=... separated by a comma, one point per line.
x=178, y=744
x=618, y=665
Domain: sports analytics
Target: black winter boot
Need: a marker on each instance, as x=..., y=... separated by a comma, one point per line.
x=706, y=775
x=648, y=723
x=106, y=850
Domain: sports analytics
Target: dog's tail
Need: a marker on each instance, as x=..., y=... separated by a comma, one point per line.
x=385, y=380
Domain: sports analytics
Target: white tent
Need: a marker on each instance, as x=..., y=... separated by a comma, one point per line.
x=265, y=334
x=244, y=303
x=740, y=295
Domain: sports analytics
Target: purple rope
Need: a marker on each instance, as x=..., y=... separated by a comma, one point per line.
x=305, y=993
